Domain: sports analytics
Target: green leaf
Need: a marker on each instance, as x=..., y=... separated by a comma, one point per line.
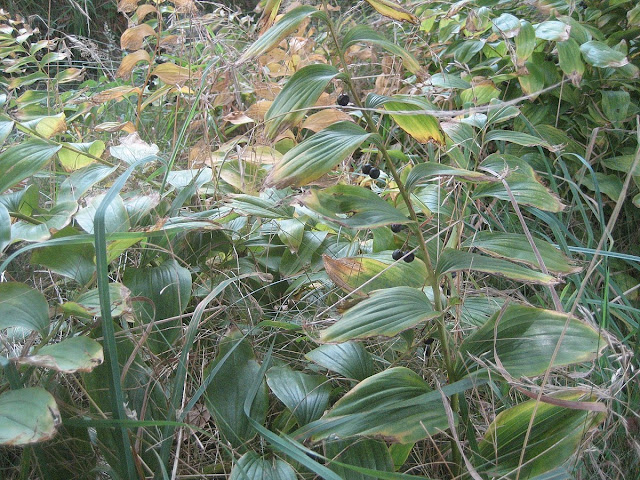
x=432, y=169
x=375, y=407
x=452, y=260
x=71, y=159
x=283, y=27
x=507, y=25
x=301, y=91
x=385, y=313
x=525, y=42
x=448, y=80
x=73, y=261
x=523, y=340
x=349, y=359
x=570, y=60
x=477, y=309
x=365, y=34
x=23, y=306
x=615, y=105
x=234, y=381
x=306, y=396
x=373, y=272
x=555, y=436
x=522, y=181
x=116, y=217
x=552, y=31
x=23, y=160
x=317, y=155
x=518, y=138
x=77, y=354
x=5, y=227
x=167, y=289
x=352, y=206
x=367, y=453
x=80, y=181
x=27, y=415
x=516, y=247
x=6, y=126
x=253, y=467
x=599, y=54
x=610, y=185
x=87, y=304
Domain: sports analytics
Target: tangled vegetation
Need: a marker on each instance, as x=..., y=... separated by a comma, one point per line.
x=374, y=240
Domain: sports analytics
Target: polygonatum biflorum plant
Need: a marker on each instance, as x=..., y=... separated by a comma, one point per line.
x=373, y=264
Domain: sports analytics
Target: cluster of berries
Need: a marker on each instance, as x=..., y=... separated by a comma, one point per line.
x=373, y=172
x=398, y=254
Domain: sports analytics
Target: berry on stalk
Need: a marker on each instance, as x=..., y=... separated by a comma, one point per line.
x=374, y=173
x=343, y=100
x=366, y=168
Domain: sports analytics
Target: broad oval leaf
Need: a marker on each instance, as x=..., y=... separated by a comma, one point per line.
x=22, y=306
x=365, y=34
x=130, y=61
x=306, y=396
x=317, y=155
x=226, y=394
x=366, y=273
x=516, y=247
x=375, y=407
x=251, y=466
x=556, y=434
x=116, y=217
x=23, y=160
x=518, y=138
x=167, y=290
x=283, y=27
x=507, y=25
x=133, y=37
x=365, y=453
x=570, y=60
x=525, y=42
x=301, y=91
x=553, y=30
x=74, y=261
x=349, y=359
x=27, y=415
x=452, y=260
x=352, y=206
x=72, y=156
x=424, y=128
x=77, y=354
x=599, y=54
x=385, y=313
x=524, y=338
x=87, y=304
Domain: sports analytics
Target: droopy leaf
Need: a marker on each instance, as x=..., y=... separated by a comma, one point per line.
x=73, y=261
x=77, y=354
x=433, y=169
x=317, y=155
x=283, y=27
x=22, y=306
x=306, y=396
x=518, y=138
x=556, y=434
x=352, y=206
x=232, y=384
x=524, y=338
x=376, y=270
x=27, y=415
x=391, y=9
x=71, y=159
x=452, y=260
x=385, y=313
x=349, y=359
x=301, y=91
x=251, y=466
x=516, y=247
x=362, y=33
x=374, y=408
x=23, y=160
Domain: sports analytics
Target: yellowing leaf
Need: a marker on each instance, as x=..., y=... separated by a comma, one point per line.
x=112, y=127
x=115, y=93
x=127, y=6
x=258, y=110
x=72, y=158
x=172, y=74
x=51, y=126
x=70, y=75
x=144, y=10
x=424, y=128
x=133, y=37
x=128, y=62
x=185, y=6
x=237, y=118
x=322, y=119
x=391, y=9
